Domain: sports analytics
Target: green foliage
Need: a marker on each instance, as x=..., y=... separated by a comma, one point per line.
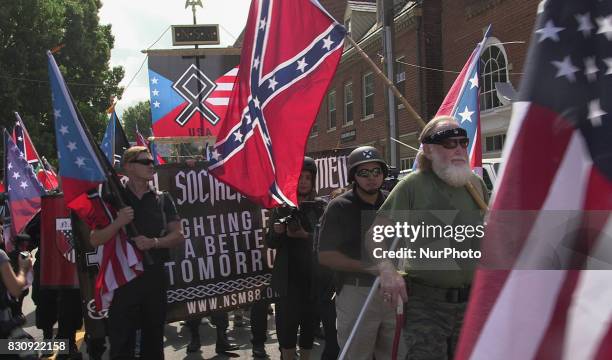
x=139, y=114
x=28, y=28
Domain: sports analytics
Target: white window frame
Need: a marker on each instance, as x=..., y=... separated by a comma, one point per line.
x=330, y=110
x=488, y=78
x=348, y=85
x=365, y=97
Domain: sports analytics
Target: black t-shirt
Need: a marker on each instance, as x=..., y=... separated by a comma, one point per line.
x=345, y=223
x=148, y=217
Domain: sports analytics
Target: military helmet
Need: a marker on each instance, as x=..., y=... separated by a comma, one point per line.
x=309, y=165
x=362, y=155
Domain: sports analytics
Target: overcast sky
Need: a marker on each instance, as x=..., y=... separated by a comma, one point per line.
x=136, y=24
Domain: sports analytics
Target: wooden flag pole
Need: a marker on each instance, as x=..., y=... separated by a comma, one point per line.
x=413, y=114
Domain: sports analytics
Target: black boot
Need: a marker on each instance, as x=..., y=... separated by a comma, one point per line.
x=194, y=344
x=223, y=345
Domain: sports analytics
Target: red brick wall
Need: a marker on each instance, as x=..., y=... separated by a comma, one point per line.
x=450, y=30
x=463, y=27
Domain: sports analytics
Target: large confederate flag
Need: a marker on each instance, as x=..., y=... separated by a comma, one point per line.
x=290, y=54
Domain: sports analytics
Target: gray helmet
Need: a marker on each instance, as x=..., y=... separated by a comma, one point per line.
x=362, y=155
x=309, y=165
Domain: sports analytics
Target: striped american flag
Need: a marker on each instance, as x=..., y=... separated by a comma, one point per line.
x=544, y=291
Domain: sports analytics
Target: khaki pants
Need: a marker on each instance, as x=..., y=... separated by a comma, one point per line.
x=375, y=334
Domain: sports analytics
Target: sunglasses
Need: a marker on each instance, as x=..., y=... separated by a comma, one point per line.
x=365, y=173
x=453, y=143
x=145, y=162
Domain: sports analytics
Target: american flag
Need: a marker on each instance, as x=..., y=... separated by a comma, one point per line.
x=290, y=53
x=555, y=195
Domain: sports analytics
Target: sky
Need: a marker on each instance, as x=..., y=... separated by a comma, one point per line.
x=137, y=24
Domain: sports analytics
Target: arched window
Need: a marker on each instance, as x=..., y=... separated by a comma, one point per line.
x=493, y=69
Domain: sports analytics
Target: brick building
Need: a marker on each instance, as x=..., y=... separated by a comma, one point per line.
x=433, y=39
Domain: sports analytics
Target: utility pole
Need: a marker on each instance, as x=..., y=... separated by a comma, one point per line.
x=388, y=35
x=193, y=4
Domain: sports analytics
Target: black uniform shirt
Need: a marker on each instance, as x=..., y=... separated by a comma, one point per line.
x=344, y=225
x=148, y=217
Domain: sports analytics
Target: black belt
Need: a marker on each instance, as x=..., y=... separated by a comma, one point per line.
x=449, y=295
x=358, y=281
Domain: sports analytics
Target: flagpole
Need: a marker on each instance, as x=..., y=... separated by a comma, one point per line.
x=111, y=174
x=411, y=112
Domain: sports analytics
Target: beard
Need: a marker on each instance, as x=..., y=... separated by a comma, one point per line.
x=453, y=175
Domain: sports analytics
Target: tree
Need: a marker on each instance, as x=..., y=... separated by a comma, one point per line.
x=139, y=114
x=28, y=28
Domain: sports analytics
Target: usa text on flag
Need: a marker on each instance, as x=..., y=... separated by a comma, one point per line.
x=290, y=54
x=558, y=162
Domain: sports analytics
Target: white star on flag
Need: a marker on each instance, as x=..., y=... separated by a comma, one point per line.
x=154, y=80
x=248, y=118
x=10, y=166
x=80, y=161
x=19, y=138
x=466, y=115
x=256, y=63
x=156, y=104
x=16, y=175
x=71, y=145
x=273, y=84
x=605, y=26
x=474, y=81
x=238, y=135
x=215, y=154
x=23, y=185
x=327, y=43
x=595, y=113
x=566, y=68
x=155, y=92
x=549, y=31
x=262, y=24
x=256, y=102
x=57, y=113
x=64, y=129
x=302, y=65
x=585, y=24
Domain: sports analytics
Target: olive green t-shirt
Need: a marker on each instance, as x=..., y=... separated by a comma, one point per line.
x=422, y=198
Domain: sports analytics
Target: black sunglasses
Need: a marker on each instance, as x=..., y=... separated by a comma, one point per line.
x=145, y=162
x=364, y=173
x=453, y=143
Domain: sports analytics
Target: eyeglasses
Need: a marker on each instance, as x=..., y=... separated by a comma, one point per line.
x=453, y=143
x=364, y=173
x=145, y=162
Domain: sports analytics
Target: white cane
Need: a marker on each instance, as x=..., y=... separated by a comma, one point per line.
x=364, y=308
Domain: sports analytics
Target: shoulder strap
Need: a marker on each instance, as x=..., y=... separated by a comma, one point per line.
x=162, y=198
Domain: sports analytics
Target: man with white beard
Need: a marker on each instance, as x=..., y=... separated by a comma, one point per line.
x=433, y=197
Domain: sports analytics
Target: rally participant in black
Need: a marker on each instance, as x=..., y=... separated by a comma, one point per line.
x=69, y=315
x=292, y=277
x=221, y=322
x=142, y=301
